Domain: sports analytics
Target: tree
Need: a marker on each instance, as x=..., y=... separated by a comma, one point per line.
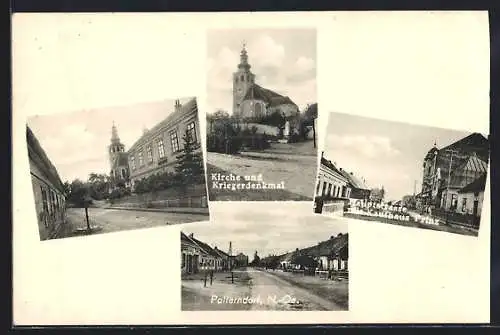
x=78, y=192
x=256, y=260
x=275, y=119
x=99, y=185
x=189, y=166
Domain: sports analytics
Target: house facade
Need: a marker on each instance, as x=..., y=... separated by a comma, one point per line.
x=157, y=149
x=331, y=182
x=48, y=189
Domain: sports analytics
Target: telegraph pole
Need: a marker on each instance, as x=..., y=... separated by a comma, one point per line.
x=451, y=152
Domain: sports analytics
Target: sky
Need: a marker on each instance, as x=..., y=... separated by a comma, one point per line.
x=283, y=60
x=77, y=142
x=262, y=228
x=383, y=152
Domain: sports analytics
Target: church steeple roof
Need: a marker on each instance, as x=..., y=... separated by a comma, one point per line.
x=114, y=134
x=244, y=59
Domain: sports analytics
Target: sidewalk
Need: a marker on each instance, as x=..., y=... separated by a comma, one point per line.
x=181, y=210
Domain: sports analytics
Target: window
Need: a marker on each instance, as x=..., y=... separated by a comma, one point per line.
x=141, y=159
x=44, y=200
x=174, y=141
x=132, y=162
x=324, y=187
x=149, y=151
x=454, y=201
x=329, y=189
x=161, y=148
x=191, y=130
x=124, y=176
x=183, y=260
x=242, y=78
x=464, y=205
x=318, y=186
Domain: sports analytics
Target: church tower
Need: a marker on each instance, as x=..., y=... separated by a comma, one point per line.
x=116, y=150
x=243, y=79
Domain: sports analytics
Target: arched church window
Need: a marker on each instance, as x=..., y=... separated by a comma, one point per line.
x=242, y=78
x=123, y=174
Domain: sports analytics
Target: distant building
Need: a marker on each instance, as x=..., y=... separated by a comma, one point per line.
x=157, y=149
x=331, y=182
x=377, y=194
x=447, y=170
x=241, y=260
x=118, y=160
x=48, y=190
x=253, y=102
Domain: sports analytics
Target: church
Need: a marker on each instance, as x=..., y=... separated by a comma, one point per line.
x=253, y=102
x=118, y=160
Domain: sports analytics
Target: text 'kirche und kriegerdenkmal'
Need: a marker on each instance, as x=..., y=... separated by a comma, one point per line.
x=233, y=182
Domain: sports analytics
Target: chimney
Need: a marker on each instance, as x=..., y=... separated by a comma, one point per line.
x=177, y=105
x=322, y=154
x=351, y=174
x=191, y=235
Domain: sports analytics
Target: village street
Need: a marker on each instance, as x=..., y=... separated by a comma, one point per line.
x=112, y=220
x=270, y=290
x=296, y=169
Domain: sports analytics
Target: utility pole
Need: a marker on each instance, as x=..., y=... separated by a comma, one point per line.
x=451, y=152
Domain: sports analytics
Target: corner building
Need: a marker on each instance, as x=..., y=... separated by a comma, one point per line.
x=157, y=149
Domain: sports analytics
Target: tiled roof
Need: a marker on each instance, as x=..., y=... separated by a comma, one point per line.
x=264, y=94
x=330, y=165
x=187, y=107
x=49, y=169
x=477, y=185
x=475, y=142
x=354, y=180
x=203, y=246
x=332, y=246
x=469, y=168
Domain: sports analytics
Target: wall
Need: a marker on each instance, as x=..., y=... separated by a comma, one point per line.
x=470, y=203
x=249, y=110
x=330, y=177
x=48, y=224
x=334, y=207
x=170, y=158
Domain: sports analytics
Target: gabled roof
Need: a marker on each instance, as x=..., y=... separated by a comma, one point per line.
x=329, y=247
x=48, y=168
x=203, y=246
x=171, y=119
x=333, y=246
x=328, y=163
x=477, y=185
x=475, y=164
x=475, y=142
x=272, y=98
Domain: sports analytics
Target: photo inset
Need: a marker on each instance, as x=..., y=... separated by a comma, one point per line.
x=106, y=173
x=403, y=174
x=244, y=261
x=261, y=117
